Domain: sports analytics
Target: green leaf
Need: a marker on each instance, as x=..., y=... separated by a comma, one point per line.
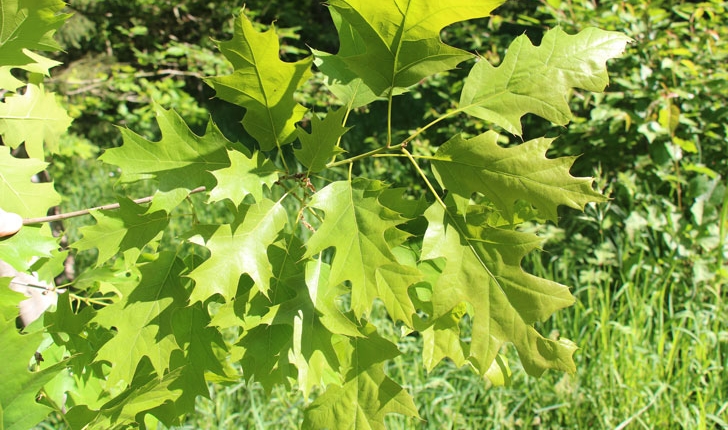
x=127, y=228
x=505, y=175
x=240, y=250
x=18, y=407
x=538, y=79
x=397, y=44
x=18, y=192
x=148, y=398
x=393, y=282
x=39, y=64
x=246, y=175
x=266, y=355
x=28, y=24
x=34, y=118
x=313, y=347
x=9, y=299
x=441, y=338
x=483, y=270
x=181, y=159
x=366, y=396
x=196, y=339
x=320, y=146
x=154, y=395
x=339, y=79
x=362, y=231
x=23, y=248
x=143, y=320
x=262, y=84
x=324, y=297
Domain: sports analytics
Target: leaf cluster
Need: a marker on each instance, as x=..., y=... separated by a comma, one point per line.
x=282, y=290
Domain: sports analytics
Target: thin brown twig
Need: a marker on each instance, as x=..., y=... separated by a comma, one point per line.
x=82, y=212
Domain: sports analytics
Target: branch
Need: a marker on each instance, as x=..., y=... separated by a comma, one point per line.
x=82, y=212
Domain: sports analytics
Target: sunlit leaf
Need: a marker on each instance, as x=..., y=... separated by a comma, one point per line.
x=538, y=79
x=361, y=230
x=33, y=118
x=483, y=270
x=238, y=251
x=262, y=84
x=396, y=44
x=181, y=159
x=505, y=175
x=29, y=24
x=18, y=192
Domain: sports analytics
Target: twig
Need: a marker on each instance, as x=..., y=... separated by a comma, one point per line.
x=82, y=212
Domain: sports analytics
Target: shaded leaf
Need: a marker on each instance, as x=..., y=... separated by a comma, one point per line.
x=313, y=349
x=153, y=395
x=339, y=79
x=39, y=64
x=193, y=336
x=366, y=396
x=265, y=355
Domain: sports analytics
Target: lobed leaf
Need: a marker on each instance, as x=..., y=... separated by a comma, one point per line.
x=29, y=24
x=18, y=193
x=538, y=79
x=240, y=250
x=284, y=329
x=367, y=394
x=19, y=409
x=129, y=228
x=321, y=145
x=33, y=118
x=246, y=176
x=180, y=160
x=505, y=175
x=363, y=232
x=483, y=270
x=143, y=320
x=262, y=84
x=39, y=64
x=395, y=44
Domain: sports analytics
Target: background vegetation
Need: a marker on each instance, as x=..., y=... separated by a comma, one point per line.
x=648, y=268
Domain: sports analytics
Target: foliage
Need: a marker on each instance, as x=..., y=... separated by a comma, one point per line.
x=283, y=290
x=662, y=125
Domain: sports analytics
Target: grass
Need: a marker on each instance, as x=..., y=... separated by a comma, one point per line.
x=653, y=354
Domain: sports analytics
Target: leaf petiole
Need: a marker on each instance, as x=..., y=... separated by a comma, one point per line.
x=422, y=174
